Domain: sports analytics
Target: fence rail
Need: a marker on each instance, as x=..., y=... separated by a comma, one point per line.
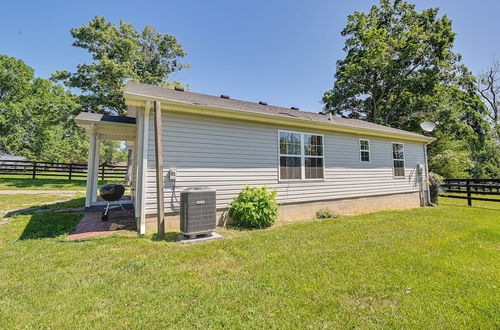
x=68, y=170
x=468, y=187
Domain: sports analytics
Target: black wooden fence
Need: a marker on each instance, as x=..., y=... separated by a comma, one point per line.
x=468, y=187
x=67, y=170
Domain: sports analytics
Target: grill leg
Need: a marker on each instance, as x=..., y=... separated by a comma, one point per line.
x=104, y=216
x=119, y=203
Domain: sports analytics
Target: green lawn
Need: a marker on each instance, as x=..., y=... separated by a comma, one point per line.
x=423, y=268
x=46, y=183
x=20, y=201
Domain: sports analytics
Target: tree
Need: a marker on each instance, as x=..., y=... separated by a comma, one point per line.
x=400, y=70
x=395, y=58
x=36, y=116
x=119, y=53
x=489, y=88
x=15, y=79
x=111, y=152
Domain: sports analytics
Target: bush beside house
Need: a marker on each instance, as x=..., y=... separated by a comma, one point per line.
x=254, y=207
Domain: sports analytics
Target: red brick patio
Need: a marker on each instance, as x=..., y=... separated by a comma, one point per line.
x=91, y=224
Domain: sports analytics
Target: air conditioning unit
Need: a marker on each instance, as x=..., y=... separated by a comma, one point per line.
x=198, y=212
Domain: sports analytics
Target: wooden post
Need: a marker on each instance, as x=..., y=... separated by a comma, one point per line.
x=469, y=200
x=34, y=170
x=70, y=171
x=159, y=170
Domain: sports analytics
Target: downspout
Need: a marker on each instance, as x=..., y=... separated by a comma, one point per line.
x=160, y=214
x=427, y=175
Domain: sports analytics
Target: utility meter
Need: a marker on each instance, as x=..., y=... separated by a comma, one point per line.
x=172, y=174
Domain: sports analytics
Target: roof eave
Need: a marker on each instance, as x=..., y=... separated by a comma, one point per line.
x=187, y=107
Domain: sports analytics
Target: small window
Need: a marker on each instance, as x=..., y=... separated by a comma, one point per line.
x=364, y=150
x=301, y=156
x=398, y=159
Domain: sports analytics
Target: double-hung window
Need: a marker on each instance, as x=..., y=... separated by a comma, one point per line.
x=364, y=150
x=398, y=160
x=301, y=156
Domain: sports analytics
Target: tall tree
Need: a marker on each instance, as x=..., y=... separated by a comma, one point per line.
x=15, y=79
x=395, y=58
x=119, y=53
x=36, y=116
x=489, y=88
x=400, y=70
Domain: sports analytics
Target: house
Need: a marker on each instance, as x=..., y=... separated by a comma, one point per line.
x=11, y=157
x=313, y=160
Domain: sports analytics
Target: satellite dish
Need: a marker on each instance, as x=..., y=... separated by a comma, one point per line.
x=428, y=126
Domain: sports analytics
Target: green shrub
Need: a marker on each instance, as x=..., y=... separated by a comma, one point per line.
x=326, y=213
x=254, y=207
x=435, y=181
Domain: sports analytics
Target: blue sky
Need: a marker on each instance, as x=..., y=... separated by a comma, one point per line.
x=282, y=52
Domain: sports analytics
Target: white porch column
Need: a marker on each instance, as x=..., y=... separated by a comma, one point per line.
x=95, y=179
x=90, y=165
x=142, y=165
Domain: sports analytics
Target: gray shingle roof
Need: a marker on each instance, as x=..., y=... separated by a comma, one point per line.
x=219, y=102
x=90, y=116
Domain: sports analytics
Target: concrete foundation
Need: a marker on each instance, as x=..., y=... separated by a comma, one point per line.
x=307, y=210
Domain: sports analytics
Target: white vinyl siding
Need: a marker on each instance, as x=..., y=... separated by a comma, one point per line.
x=227, y=155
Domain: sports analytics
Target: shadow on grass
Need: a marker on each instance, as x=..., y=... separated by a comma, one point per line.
x=237, y=227
x=38, y=209
x=170, y=236
x=50, y=225
x=44, y=222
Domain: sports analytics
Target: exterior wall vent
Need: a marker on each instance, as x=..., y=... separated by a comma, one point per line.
x=225, y=96
x=198, y=212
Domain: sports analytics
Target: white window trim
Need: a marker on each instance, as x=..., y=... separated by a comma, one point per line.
x=393, y=159
x=302, y=157
x=369, y=151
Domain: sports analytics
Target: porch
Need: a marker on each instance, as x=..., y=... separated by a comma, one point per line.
x=105, y=127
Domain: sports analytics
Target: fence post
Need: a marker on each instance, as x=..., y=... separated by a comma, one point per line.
x=70, y=171
x=34, y=170
x=102, y=173
x=469, y=200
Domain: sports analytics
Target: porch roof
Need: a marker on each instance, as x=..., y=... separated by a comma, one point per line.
x=108, y=127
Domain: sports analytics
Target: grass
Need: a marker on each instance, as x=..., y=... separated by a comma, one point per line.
x=18, y=201
x=45, y=183
x=424, y=268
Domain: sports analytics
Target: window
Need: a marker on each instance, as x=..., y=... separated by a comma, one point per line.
x=290, y=156
x=301, y=156
x=364, y=150
x=398, y=159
